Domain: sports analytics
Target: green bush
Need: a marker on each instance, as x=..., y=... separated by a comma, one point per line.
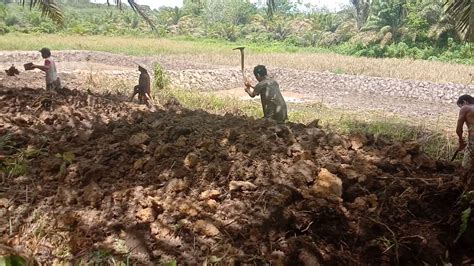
x=416, y=53
x=161, y=79
x=3, y=28
x=79, y=29
x=402, y=50
x=294, y=40
x=234, y=20
x=12, y=20
x=46, y=27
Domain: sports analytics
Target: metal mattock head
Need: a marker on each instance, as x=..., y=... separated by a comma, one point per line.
x=241, y=48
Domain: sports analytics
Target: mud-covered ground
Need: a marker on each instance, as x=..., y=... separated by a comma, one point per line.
x=90, y=178
x=428, y=101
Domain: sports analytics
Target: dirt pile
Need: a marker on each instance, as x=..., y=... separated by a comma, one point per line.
x=408, y=98
x=87, y=178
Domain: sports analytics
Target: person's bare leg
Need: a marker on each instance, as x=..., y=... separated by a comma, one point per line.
x=136, y=90
x=470, y=173
x=148, y=100
x=57, y=84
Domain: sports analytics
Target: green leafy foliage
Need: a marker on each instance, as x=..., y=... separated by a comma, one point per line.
x=67, y=159
x=170, y=263
x=466, y=214
x=418, y=29
x=17, y=164
x=13, y=260
x=462, y=12
x=3, y=11
x=6, y=141
x=161, y=79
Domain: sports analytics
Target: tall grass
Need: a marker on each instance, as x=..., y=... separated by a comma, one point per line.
x=211, y=102
x=220, y=53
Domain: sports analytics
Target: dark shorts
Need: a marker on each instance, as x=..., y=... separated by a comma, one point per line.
x=55, y=85
x=467, y=162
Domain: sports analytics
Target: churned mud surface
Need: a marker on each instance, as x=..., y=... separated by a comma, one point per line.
x=85, y=172
x=409, y=98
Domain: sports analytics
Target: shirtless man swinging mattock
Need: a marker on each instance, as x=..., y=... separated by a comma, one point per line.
x=273, y=104
x=466, y=116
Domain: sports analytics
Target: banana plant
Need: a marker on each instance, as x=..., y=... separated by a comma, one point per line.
x=388, y=16
x=49, y=8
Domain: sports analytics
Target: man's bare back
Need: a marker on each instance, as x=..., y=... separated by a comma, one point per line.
x=469, y=113
x=466, y=116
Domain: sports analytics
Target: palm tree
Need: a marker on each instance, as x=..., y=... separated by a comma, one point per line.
x=51, y=9
x=463, y=14
x=48, y=8
x=271, y=6
x=362, y=11
x=389, y=17
x=443, y=24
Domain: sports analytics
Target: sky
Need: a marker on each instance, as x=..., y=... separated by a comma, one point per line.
x=330, y=4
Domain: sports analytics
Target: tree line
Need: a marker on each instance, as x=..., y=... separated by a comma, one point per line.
x=426, y=29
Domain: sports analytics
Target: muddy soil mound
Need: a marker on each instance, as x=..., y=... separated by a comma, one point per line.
x=87, y=174
x=410, y=98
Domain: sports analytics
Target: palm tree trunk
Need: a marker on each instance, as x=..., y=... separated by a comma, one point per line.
x=362, y=12
x=271, y=7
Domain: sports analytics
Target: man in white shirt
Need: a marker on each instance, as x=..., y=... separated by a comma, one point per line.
x=49, y=67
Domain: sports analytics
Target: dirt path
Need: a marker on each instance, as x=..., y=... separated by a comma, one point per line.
x=427, y=101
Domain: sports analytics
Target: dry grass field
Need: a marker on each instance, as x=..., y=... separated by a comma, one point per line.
x=221, y=53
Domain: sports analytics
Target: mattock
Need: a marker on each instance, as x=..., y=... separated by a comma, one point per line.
x=242, y=62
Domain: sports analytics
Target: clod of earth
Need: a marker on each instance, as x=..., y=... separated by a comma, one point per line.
x=328, y=185
x=190, y=186
x=12, y=71
x=241, y=185
x=138, y=139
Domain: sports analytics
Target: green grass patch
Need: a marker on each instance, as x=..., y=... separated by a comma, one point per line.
x=134, y=45
x=150, y=45
x=13, y=260
x=211, y=102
